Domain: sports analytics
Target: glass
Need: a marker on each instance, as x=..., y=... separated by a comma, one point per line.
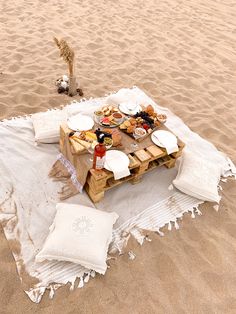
x=91, y=152
x=134, y=146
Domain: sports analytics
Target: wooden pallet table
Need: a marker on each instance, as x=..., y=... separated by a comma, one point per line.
x=141, y=161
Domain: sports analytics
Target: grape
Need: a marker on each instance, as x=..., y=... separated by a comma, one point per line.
x=144, y=115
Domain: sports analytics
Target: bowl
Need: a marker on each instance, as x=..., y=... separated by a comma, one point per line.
x=108, y=142
x=139, y=133
x=162, y=118
x=98, y=115
x=117, y=117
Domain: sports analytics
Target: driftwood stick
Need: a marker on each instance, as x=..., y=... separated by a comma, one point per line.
x=71, y=69
x=72, y=86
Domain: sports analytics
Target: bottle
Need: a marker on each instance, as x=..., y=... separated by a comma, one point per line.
x=99, y=152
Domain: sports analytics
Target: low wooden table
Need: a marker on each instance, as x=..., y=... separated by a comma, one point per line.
x=141, y=161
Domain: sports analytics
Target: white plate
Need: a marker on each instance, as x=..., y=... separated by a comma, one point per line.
x=112, y=125
x=169, y=136
x=80, y=122
x=130, y=108
x=118, y=155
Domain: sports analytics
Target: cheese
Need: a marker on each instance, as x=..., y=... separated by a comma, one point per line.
x=78, y=148
x=90, y=136
x=83, y=143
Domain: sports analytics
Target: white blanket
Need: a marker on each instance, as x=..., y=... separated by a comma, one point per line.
x=28, y=196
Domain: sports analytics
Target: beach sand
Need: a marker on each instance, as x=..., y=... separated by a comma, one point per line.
x=183, y=55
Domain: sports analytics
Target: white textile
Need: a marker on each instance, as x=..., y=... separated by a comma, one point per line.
x=47, y=125
x=118, y=169
x=198, y=177
x=167, y=142
x=28, y=196
x=79, y=234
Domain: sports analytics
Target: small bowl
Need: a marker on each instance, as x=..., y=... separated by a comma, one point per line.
x=98, y=115
x=139, y=133
x=162, y=118
x=118, y=117
x=108, y=144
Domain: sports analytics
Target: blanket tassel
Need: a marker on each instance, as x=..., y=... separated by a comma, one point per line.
x=176, y=225
x=160, y=233
x=60, y=173
x=68, y=190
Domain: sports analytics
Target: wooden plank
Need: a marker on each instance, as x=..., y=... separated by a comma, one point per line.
x=96, y=186
x=76, y=147
x=98, y=174
x=62, y=141
x=65, y=128
x=143, y=167
x=136, y=179
x=133, y=162
x=95, y=197
x=170, y=164
x=142, y=155
x=112, y=182
x=156, y=151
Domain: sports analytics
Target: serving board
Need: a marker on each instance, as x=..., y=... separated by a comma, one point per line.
x=141, y=138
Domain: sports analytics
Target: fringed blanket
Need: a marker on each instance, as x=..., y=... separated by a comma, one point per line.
x=28, y=196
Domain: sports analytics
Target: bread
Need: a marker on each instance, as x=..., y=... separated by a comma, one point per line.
x=127, y=123
x=130, y=129
x=150, y=110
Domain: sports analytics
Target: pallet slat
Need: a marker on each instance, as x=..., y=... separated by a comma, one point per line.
x=142, y=155
x=155, y=151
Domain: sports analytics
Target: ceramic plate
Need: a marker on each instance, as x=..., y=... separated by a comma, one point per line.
x=80, y=122
x=130, y=108
x=118, y=155
x=168, y=135
x=112, y=125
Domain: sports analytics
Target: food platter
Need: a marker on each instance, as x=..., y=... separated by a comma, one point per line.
x=110, y=124
x=142, y=124
x=108, y=116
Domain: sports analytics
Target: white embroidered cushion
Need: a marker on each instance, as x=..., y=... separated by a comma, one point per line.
x=47, y=125
x=198, y=177
x=79, y=234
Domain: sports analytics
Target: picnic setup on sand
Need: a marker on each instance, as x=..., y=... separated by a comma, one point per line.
x=76, y=183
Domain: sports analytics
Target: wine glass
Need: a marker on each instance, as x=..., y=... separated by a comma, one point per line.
x=91, y=152
x=134, y=145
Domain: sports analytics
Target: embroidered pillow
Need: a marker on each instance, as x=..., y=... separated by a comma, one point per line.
x=79, y=234
x=47, y=125
x=198, y=177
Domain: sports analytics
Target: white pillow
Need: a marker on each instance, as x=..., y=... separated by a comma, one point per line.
x=79, y=234
x=47, y=125
x=198, y=177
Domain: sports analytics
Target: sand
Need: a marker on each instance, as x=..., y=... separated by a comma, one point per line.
x=182, y=54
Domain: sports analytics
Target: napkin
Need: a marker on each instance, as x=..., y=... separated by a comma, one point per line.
x=131, y=106
x=119, y=169
x=169, y=144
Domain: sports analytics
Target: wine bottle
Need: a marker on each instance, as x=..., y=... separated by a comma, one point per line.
x=99, y=153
